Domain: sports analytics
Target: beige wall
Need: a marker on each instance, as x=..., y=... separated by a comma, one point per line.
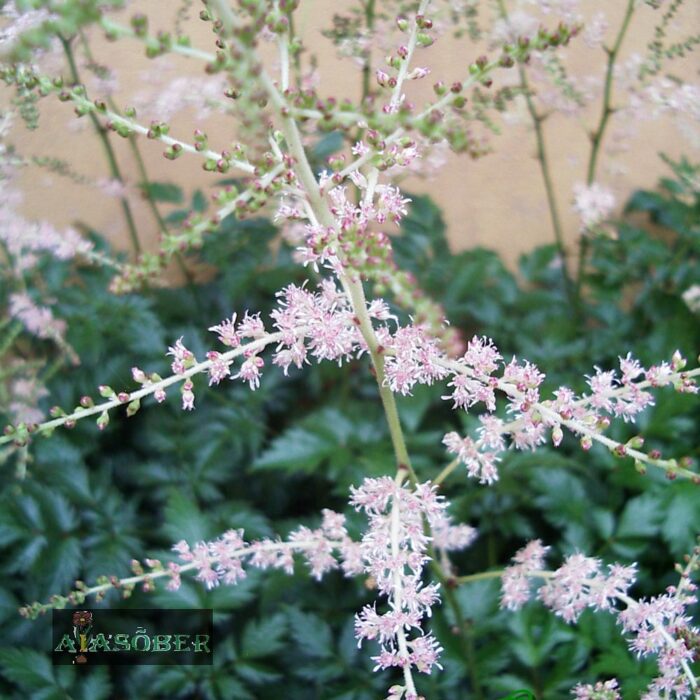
x=497, y=201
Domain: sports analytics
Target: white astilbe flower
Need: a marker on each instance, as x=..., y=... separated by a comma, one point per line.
x=593, y=203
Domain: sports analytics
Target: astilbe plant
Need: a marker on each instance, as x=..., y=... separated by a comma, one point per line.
x=337, y=219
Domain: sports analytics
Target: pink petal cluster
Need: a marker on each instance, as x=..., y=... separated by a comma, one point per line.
x=413, y=359
x=620, y=395
x=221, y=561
x=515, y=582
x=38, y=320
x=24, y=239
x=321, y=325
x=183, y=358
x=25, y=393
x=394, y=553
x=603, y=690
x=581, y=583
x=661, y=626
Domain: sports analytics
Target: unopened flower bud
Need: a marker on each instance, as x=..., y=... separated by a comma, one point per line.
x=557, y=435
x=103, y=420
x=678, y=362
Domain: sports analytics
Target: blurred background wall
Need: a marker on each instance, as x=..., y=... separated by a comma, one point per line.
x=497, y=201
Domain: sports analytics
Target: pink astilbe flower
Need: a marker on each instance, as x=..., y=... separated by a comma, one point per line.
x=413, y=360
x=481, y=359
x=38, y=320
x=320, y=325
x=394, y=552
x=221, y=561
x=183, y=358
x=580, y=583
x=188, y=396
x=25, y=239
x=661, y=626
x=25, y=393
x=515, y=582
x=16, y=21
x=251, y=326
x=227, y=333
x=162, y=100
x=603, y=690
x=449, y=537
x=113, y=188
x=605, y=394
x=594, y=30
x=220, y=367
x=519, y=24
x=480, y=461
x=250, y=371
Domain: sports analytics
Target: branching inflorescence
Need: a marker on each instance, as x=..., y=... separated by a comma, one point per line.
x=339, y=215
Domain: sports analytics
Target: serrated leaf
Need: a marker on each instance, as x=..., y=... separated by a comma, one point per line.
x=640, y=518
x=681, y=523
x=263, y=637
x=297, y=449
x=312, y=635
x=184, y=520
x=94, y=685
x=256, y=673
x=26, y=667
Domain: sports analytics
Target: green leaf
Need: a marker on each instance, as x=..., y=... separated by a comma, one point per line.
x=681, y=523
x=163, y=192
x=263, y=637
x=640, y=518
x=327, y=145
x=199, y=201
x=184, y=520
x=94, y=685
x=297, y=449
x=311, y=634
x=256, y=673
x=423, y=235
x=26, y=667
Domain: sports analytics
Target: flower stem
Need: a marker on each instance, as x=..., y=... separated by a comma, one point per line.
x=598, y=134
x=464, y=633
x=198, y=368
x=109, y=151
x=544, y=163
x=143, y=174
x=367, y=67
x=446, y=471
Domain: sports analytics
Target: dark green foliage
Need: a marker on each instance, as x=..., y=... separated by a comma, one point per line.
x=163, y=192
x=268, y=460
